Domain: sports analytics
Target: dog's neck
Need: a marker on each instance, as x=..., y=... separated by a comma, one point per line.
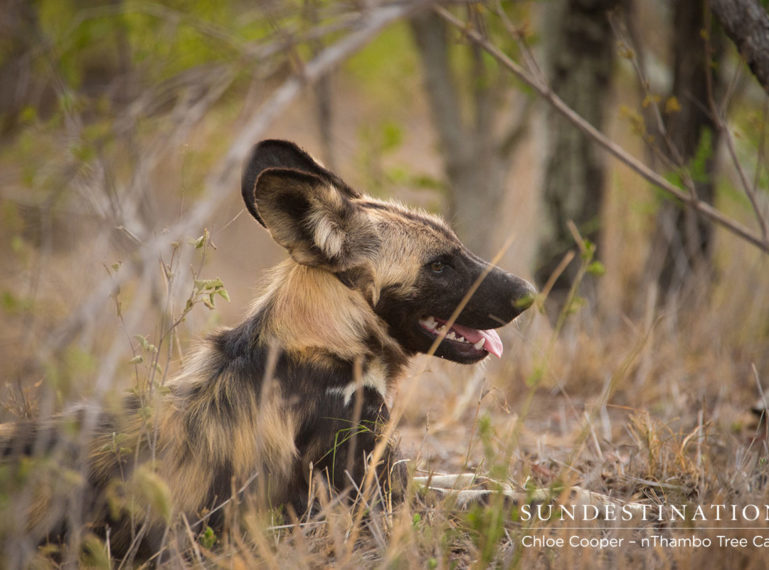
x=309, y=313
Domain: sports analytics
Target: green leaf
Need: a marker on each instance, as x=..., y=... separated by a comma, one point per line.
x=208, y=284
x=146, y=344
x=202, y=241
x=589, y=251
x=208, y=538
x=525, y=301
x=699, y=164
x=596, y=268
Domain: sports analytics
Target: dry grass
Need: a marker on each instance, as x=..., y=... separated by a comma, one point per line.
x=639, y=403
x=654, y=410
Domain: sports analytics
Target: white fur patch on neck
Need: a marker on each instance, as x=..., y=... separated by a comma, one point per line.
x=375, y=377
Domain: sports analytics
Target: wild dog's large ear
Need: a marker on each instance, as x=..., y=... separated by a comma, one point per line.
x=317, y=223
x=283, y=154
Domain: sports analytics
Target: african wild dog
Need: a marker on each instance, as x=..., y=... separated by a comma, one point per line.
x=367, y=285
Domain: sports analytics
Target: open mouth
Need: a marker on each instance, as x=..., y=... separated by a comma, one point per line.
x=465, y=339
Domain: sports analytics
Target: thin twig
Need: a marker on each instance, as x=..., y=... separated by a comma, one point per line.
x=613, y=148
x=635, y=61
x=723, y=127
x=400, y=405
x=220, y=180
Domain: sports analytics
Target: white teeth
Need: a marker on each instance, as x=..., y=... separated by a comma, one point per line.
x=479, y=345
x=451, y=335
x=432, y=325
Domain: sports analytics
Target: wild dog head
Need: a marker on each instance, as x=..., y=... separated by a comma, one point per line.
x=409, y=266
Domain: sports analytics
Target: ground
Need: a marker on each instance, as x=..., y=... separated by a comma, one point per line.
x=639, y=402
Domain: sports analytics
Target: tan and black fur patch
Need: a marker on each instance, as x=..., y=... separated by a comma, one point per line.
x=367, y=285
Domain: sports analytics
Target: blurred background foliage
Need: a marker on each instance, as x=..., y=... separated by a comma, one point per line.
x=121, y=220
x=118, y=117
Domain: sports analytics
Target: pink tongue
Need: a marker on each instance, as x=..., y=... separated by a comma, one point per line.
x=493, y=344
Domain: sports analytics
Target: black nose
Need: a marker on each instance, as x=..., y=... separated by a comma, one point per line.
x=500, y=298
x=523, y=295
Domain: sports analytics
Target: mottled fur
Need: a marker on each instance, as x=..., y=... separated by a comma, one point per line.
x=261, y=404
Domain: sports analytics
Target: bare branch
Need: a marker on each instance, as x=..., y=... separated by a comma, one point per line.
x=635, y=58
x=749, y=189
x=221, y=177
x=719, y=119
x=546, y=93
x=370, y=25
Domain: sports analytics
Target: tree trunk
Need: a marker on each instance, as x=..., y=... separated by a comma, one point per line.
x=475, y=163
x=580, y=55
x=747, y=25
x=683, y=241
x=19, y=86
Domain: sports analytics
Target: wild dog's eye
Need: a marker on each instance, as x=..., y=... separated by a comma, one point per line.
x=437, y=266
